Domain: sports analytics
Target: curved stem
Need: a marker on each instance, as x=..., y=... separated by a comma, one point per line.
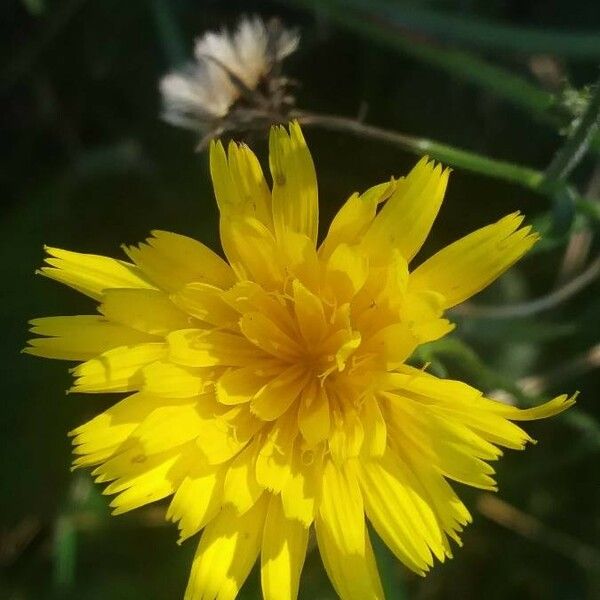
x=455, y=157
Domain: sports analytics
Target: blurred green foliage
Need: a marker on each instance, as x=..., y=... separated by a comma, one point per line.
x=87, y=165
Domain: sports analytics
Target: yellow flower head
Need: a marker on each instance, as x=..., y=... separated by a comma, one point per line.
x=270, y=393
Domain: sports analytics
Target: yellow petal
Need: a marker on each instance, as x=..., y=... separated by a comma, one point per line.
x=275, y=397
x=403, y=520
x=282, y=554
x=343, y=539
x=80, y=337
x=150, y=311
x=266, y=335
x=205, y=302
x=170, y=426
x=239, y=183
x=118, y=370
x=197, y=500
x=465, y=267
x=295, y=203
x=310, y=314
x=140, y=479
x=165, y=379
x=238, y=386
x=201, y=348
x=274, y=461
x=405, y=220
x=354, y=218
x=313, y=414
x=241, y=488
x=107, y=431
x=251, y=250
x=228, y=548
x=223, y=433
x=374, y=428
x=390, y=346
x=172, y=261
x=91, y=274
x=543, y=411
x=301, y=488
x=347, y=271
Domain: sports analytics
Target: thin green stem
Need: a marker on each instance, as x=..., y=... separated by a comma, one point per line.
x=567, y=158
x=450, y=155
x=513, y=88
x=469, y=30
x=455, y=157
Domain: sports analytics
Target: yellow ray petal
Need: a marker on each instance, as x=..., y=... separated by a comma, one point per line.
x=111, y=428
x=343, y=539
x=274, y=461
x=448, y=446
x=118, y=370
x=170, y=426
x=465, y=267
x=301, y=488
x=390, y=346
x=172, y=261
x=396, y=508
x=374, y=428
x=406, y=219
x=251, y=250
x=314, y=419
x=276, y=396
x=228, y=548
x=543, y=411
x=197, y=499
x=239, y=183
x=347, y=271
x=80, y=337
x=310, y=314
x=205, y=302
x=208, y=348
x=139, y=479
x=150, y=311
x=241, y=489
x=168, y=380
x=91, y=274
x=266, y=335
x=282, y=554
x=238, y=386
x=295, y=203
x=354, y=218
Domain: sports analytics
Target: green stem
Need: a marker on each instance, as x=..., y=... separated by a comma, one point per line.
x=455, y=157
x=469, y=30
x=567, y=158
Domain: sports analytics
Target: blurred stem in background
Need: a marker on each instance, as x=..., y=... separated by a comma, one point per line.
x=409, y=30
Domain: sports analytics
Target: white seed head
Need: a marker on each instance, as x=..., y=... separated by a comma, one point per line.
x=227, y=65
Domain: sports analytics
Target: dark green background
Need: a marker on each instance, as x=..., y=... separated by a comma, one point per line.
x=88, y=165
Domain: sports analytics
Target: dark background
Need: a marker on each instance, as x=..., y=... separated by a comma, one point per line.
x=87, y=165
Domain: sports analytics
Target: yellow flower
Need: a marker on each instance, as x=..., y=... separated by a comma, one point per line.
x=271, y=393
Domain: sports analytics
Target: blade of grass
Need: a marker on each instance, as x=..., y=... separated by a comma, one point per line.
x=471, y=31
